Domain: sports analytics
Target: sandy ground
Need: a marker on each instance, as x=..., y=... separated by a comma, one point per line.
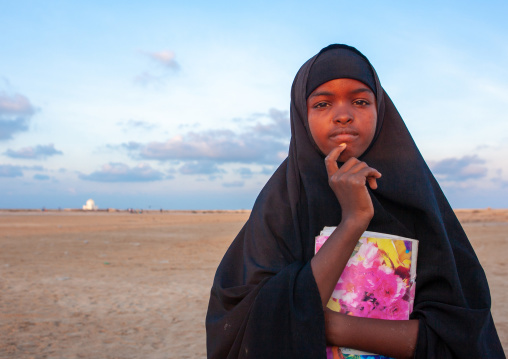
x=120, y=285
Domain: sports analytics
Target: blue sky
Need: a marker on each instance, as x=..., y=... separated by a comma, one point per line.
x=184, y=105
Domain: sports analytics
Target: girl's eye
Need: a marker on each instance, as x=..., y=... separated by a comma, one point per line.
x=321, y=105
x=361, y=102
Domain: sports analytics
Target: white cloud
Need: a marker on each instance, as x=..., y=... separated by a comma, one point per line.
x=458, y=169
x=260, y=143
x=120, y=172
x=245, y=172
x=165, y=58
x=136, y=125
x=15, y=105
x=233, y=184
x=167, y=65
x=16, y=171
x=37, y=152
x=10, y=171
x=40, y=177
x=15, y=113
x=200, y=168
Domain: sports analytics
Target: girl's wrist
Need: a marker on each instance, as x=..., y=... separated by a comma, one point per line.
x=336, y=328
x=331, y=327
x=355, y=223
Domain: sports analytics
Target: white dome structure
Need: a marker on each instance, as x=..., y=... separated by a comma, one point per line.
x=90, y=205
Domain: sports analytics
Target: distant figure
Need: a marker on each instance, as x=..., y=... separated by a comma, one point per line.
x=90, y=205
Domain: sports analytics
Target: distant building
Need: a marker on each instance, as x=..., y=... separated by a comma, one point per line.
x=90, y=205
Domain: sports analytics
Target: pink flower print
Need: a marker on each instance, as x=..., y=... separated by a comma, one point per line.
x=411, y=295
x=368, y=255
x=402, y=272
x=390, y=287
x=377, y=313
x=399, y=310
x=369, y=279
x=320, y=240
x=355, y=284
x=363, y=309
x=349, y=293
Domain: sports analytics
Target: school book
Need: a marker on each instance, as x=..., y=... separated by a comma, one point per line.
x=377, y=282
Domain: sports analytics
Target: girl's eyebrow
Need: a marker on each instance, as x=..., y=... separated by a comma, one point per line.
x=362, y=89
x=322, y=93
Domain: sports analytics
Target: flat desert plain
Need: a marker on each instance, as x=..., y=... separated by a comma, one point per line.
x=130, y=285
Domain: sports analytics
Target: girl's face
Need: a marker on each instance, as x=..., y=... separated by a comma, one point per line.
x=342, y=111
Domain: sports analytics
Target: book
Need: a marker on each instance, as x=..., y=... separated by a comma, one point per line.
x=377, y=282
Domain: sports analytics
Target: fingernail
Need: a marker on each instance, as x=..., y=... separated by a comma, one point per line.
x=342, y=145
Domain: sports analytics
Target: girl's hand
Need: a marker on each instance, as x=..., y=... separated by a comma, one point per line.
x=349, y=185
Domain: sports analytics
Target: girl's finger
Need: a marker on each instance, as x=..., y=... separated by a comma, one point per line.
x=371, y=175
x=372, y=182
x=355, y=167
x=369, y=172
x=352, y=162
x=331, y=159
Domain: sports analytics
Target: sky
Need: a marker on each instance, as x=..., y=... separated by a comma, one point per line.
x=185, y=105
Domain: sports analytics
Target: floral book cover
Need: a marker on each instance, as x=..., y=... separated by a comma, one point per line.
x=377, y=282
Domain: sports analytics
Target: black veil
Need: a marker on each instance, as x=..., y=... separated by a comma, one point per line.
x=264, y=301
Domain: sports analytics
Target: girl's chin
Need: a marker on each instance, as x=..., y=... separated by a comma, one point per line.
x=344, y=158
x=346, y=155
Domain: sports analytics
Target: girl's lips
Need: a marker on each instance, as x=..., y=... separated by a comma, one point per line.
x=343, y=137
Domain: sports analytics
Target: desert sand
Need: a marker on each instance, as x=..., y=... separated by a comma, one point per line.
x=130, y=285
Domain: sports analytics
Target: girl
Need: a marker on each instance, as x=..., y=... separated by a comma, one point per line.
x=352, y=164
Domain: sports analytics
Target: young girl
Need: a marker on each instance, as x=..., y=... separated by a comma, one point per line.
x=352, y=164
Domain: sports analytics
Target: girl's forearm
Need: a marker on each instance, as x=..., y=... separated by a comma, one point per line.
x=393, y=338
x=329, y=262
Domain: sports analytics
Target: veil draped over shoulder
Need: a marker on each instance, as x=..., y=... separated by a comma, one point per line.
x=264, y=301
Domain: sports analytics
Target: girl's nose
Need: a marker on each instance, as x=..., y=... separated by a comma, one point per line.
x=343, y=116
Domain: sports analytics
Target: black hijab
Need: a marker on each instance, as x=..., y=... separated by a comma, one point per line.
x=264, y=302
